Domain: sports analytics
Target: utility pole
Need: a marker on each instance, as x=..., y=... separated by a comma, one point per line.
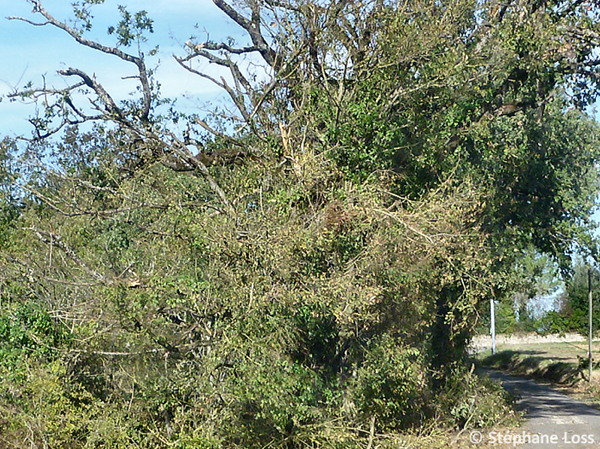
x=590, y=335
x=493, y=325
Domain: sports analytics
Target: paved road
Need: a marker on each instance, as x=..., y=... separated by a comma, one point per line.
x=552, y=420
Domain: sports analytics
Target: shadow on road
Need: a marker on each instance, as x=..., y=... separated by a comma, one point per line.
x=550, y=412
x=525, y=363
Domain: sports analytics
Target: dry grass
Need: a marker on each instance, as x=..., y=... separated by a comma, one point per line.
x=565, y=352
x=439, y=439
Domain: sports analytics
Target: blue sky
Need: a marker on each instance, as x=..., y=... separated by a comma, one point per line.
x=30, y=53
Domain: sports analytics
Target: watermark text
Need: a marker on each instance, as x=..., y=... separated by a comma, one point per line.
x=519, y=438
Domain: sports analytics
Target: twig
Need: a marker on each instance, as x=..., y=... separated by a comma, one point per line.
x=371, y=433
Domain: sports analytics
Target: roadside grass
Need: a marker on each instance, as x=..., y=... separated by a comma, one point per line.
x=564, y=365
x=568, y=352
x=538, y=367
x=461, y=440
x=435, y=437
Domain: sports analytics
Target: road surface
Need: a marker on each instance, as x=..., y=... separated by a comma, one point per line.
x=552, y=420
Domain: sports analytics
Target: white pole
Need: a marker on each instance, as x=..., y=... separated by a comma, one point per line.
x=493, y=325
x=590, y=358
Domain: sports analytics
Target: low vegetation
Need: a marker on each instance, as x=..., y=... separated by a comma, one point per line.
x=537, y=367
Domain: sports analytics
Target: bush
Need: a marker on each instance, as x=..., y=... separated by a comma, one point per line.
x=391, y=384
x=473, y=401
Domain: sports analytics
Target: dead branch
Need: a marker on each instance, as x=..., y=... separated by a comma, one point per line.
x=193, y=161
x=252, y=27
x=137, y=60
x=51, y=238
x=111, y=106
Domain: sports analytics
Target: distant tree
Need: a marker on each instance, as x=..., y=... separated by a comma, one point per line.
x=536, y=277
x=575, y=306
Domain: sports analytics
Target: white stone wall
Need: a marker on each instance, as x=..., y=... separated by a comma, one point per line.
x=483, y=342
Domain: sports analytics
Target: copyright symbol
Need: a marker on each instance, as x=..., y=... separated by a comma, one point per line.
x=475, y=437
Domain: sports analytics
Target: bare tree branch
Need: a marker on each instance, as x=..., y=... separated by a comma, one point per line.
x=111, y=106
x=137, y=60
x=181, y=62
x=223, y=46
x=51, y=238
x=252, y=28
x=199, y=165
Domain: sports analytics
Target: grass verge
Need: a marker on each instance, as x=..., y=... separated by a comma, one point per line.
x=566, y=375
x=541, y=368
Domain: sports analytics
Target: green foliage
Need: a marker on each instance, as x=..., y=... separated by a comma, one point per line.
x=311, y=280
x=472, y=110
x=475, y=401
x=540, y=172
x=390, y=385
x=81, y=10
x=552, y=322
x=10, y=204
x=574, y=313
x=256, y=330
x=506, y=322
x=48, y=408
x=27, y=330
x=132, y=27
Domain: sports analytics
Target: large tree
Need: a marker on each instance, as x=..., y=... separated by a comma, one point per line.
x=312, y=264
